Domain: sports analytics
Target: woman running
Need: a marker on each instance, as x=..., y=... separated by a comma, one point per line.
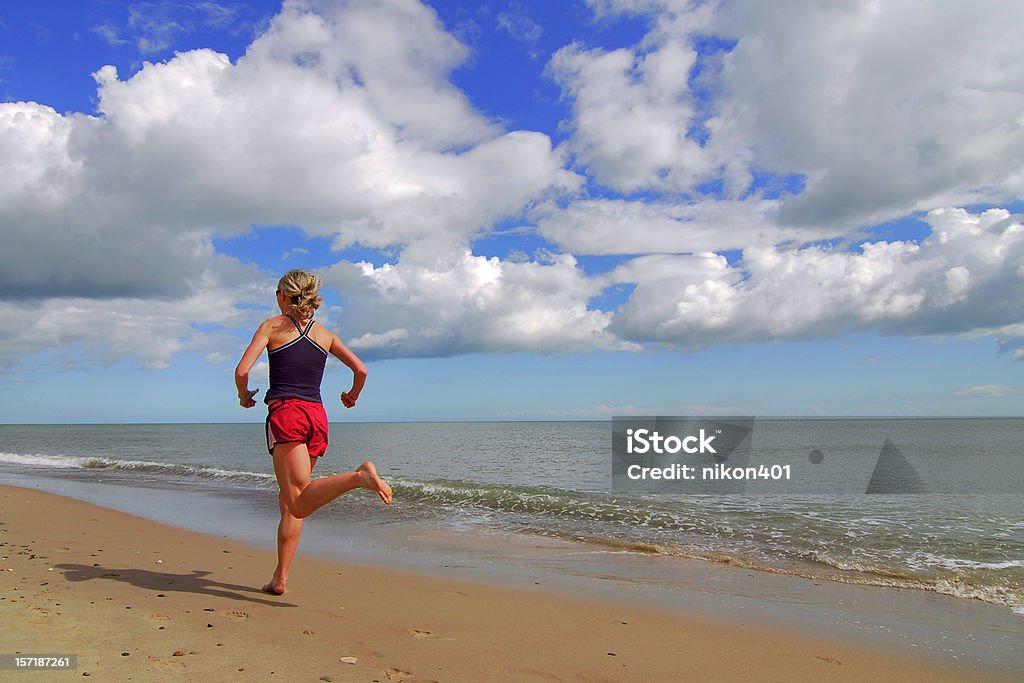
x=297, y=348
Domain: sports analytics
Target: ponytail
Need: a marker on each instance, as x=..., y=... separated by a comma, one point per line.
x=301, y=289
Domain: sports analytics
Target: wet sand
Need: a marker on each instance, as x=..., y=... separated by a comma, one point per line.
x=138, y=600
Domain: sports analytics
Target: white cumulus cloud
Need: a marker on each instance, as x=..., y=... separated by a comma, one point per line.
x=463, y=303
x=964, y=278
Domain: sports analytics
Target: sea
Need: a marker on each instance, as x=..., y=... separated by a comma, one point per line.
x=536, y=501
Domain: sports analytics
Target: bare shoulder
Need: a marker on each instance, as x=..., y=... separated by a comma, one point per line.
x=322, y=336
x=268, y=326
x=278, y=330
x=274, y=323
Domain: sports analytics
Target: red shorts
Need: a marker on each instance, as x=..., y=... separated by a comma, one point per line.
x=294, y=420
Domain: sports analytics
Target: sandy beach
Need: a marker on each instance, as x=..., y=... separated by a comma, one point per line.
x=137, y=600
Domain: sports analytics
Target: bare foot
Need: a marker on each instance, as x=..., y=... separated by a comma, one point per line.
x=275, y=586
x=368, y=473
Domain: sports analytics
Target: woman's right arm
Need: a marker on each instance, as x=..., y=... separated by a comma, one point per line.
x=259, y=342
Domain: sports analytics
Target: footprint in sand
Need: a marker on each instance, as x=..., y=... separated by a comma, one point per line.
x=396, y=675
x=158, y=617
x=237, y=614
x=425, y=635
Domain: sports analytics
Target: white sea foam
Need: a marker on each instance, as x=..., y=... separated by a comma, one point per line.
x=43, y=460
x=996, y=595
x=141, y=466
x=926, y=560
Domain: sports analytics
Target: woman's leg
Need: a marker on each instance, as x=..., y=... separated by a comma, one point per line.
x=289, y=531
x=303, y=497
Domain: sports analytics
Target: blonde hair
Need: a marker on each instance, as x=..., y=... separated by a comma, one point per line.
x=300, y=288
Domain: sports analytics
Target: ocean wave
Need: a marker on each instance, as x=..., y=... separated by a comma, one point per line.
x=770, y=540
x=852, y=565
x=65, y=462
x=1010, y=596
x=550, y=503
x=928, y=560
x=823, y=568
x=41, y=460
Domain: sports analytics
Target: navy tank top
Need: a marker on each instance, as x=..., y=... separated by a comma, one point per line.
x=297, y=368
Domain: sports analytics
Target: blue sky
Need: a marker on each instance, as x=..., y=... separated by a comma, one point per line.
x=521, y=210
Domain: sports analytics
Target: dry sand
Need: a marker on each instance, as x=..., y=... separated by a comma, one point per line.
x=137, y=600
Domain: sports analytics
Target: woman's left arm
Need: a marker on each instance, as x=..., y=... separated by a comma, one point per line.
x=358, y=368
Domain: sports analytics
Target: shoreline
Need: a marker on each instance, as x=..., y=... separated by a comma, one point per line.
x=87, y=580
